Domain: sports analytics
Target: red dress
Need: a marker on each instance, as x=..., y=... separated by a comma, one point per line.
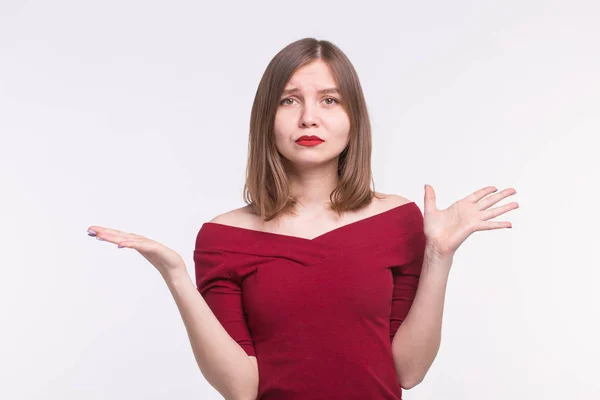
x=319, y=314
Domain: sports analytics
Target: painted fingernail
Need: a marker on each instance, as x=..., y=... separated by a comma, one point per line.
x=120, y=247
x=99, y=238
x=91, y=232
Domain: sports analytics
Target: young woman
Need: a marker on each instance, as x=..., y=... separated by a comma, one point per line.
x=320, y=287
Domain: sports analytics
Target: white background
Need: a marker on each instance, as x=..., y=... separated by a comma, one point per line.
x=134, y=115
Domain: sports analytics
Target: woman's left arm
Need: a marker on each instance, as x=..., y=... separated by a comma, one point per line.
x=417, y=340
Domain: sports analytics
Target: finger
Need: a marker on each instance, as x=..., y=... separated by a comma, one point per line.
x=133, y=244
x=494, y=212
x=480, y=194
x=145, y=247
x=116, y=237
x=101, y=229
x=430, y=198
x=491, y=200
x=95, y=230
x=140, y=244
x=491, y=225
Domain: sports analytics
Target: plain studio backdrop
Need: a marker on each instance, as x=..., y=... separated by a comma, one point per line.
x=134, y=115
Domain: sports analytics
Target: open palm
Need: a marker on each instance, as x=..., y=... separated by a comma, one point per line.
x=164, y=259
x=447, y=229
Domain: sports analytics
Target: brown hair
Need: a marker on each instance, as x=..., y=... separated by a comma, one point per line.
x=266, y=188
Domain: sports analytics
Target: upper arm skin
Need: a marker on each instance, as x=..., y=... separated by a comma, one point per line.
x=254, y=362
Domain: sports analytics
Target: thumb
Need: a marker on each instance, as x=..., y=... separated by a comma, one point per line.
x=429, y=197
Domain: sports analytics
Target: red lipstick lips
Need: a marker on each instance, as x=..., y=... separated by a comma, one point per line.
x=311, y=140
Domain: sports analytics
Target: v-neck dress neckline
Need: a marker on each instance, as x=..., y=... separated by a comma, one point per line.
x=321, y=237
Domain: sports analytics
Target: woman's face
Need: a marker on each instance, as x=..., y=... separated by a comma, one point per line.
x=311, y=105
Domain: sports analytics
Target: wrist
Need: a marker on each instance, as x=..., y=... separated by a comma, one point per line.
x=175, y=276
x=433, y=252
x=436, y=262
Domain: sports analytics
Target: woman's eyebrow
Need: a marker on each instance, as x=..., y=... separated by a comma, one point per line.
x=322, y=91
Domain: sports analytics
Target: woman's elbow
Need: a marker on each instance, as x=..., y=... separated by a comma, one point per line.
x=410, y=382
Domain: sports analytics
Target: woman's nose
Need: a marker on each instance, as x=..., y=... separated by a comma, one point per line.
x=309, y=116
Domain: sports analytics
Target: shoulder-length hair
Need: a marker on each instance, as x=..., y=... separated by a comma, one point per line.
x=267, y=188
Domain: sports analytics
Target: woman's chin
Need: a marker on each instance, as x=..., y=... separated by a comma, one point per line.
x=312, y=162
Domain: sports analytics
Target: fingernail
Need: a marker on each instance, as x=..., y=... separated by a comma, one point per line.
x=120, y=247
x=91, y=232
x=97, y=237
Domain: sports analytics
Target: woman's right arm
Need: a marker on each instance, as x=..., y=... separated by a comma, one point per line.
x=230, y=369
x=222, y=361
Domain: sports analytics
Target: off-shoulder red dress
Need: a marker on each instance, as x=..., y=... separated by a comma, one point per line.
x=319, y=314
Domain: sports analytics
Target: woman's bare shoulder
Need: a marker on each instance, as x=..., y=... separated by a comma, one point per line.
x=389, y=201
x=240, y=217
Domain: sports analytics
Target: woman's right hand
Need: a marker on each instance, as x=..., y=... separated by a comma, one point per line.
x=165, y=260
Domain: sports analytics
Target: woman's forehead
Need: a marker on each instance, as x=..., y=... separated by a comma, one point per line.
x=314, y=76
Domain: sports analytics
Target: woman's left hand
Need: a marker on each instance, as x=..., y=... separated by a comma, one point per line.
x=447, y=229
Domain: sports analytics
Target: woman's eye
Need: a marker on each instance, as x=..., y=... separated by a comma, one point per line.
x=334, y=100
x=285, y=101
